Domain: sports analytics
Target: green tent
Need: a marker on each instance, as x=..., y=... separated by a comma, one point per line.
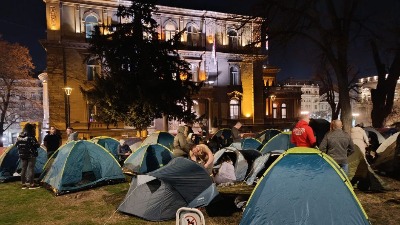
x=109, y=143
x=278, y=142
x=388, y=159
x=304, y=186
x=80, y=165
x=159, y=137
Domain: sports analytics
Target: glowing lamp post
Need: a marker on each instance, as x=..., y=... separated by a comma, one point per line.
x=273, y=97
x=67, y=91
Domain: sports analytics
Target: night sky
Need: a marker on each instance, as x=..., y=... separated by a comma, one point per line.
x=24, y=22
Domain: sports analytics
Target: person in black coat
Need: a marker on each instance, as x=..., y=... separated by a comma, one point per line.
x=27, y=145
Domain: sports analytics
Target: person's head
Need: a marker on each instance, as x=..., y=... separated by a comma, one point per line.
x=305, y=117
x=201, y=124
x=70, y=130
x=238, y=125
x=53, y=130
x=336, y=125
x=29, y=129
x=122, y=142
x=194, y=149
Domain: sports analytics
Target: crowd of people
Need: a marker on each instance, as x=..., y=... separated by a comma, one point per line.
x=336, y=143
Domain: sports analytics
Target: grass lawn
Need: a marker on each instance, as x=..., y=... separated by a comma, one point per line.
x=98, y=206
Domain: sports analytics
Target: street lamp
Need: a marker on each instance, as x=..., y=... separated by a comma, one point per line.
x=273, y=97
x=67, y=91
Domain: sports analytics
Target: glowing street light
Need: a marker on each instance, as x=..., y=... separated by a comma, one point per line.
x=67, y=91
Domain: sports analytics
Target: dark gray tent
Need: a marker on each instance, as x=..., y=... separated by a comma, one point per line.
x=157, y=195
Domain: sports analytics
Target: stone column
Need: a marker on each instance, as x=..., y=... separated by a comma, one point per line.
x=43, y=77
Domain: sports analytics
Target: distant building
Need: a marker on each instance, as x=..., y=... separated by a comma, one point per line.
x=214, y=43
x=25, y=106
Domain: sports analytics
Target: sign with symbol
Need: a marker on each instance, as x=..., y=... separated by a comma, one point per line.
x=189, y=216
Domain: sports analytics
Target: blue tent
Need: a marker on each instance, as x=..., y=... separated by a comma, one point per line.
x=147, y=158
x=304, y=186
x=10, y=163
x=160, y=137
x=109, y=143
x=266, y=135
x=80, y=165
x=279, y=142
x=251, y=143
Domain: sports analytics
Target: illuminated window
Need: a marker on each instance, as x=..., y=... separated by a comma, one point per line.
x=170, y=31
x=92, y=69
x=233, y=39
x=284, y=116
x=235, y=76
x=274, y=110
x=234, y=109
x=90, y=23
x=192, y=35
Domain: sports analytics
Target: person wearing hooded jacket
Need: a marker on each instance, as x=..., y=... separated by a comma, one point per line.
x=180, y=143
x=27, y=145
x=303, y=134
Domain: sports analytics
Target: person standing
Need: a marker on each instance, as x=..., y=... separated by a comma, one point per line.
x=27, y=145
x=360, y=138
x=71, y=134
x=338, y=145
x=52, y=141
x=303, y=134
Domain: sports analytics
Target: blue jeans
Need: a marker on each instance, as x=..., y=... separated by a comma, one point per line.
x=345, y=168
x=28, y=170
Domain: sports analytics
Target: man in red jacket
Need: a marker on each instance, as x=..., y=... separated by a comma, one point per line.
x=302, y=133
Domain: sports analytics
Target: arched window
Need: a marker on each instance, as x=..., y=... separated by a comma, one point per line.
x=170, y=31
x=233, y=39
x=283, y=107
x=235, y=76
x=274, y=110
x=192, y=35
x=234, y=108
x=90, y=22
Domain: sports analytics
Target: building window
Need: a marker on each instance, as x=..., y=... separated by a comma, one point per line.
x=235, y=76
x=274, y=110
x=192, y=35
x=234, y=109
x=233, y=39
x=170, y=31
x=90, y=23
x=284, y=116
x=92, y=69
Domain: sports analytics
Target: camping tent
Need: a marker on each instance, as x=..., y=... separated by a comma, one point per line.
x=388, y=159
x=304, y=186
x=240, y=158
x=261, y=164
x=133, y=142
x=109, y=143
x=279, y=142
x=265, y=135
x=79, y=165
x=147, y=158
x=160, y=137
x=380, y=137
x=157, y=195
x=360, y=172
x=10, y=163
x=250, y=143
x=222, y=138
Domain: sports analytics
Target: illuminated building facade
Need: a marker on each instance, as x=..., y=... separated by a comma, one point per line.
x=215, y=45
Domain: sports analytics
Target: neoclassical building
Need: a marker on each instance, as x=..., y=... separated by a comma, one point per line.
x=232, y=75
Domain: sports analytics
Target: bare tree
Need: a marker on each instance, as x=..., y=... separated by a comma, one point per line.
x=15, y=73
x=330, y=25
